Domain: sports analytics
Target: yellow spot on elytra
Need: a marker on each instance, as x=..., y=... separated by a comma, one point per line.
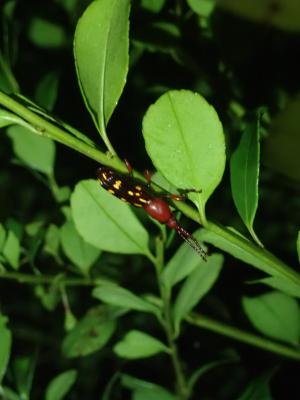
x=137, y=194
x=138, y=187
x=143, y=200
x=111, y=191
x=123, y=199
x=104, y=175
x=137, y=204
x=117, y=184
x=130, y=192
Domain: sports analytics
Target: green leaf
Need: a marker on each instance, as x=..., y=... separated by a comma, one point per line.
x=46, y=34
x=118, y=296
x=145, y=390
x=11, y=249
x=5, y=346
x=46, y=90
x=154, y=6
x=105, y=221
x=258, y=388
x=35, y=151
x=60, y=385
x=202, y=7
x=244, y=174
x=262, y=260
x=275, y=315
x=49, y=296
x=298, y=246
x=23, y=371
x=282, y=284
x=52, y=239
x=82, y=254
x=91, y=333
x=101, y=55
x=195, y=287
x=137, y=344
x=184, y=262
x=185, y=140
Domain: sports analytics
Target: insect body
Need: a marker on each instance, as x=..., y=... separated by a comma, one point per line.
x=136, y=193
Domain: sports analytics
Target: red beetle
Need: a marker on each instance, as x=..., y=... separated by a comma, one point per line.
x=136, y=193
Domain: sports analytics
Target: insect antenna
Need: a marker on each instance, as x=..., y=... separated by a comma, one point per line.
x=191, y=241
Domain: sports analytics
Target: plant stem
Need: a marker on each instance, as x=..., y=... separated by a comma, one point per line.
x=47, y=279
x=242, y=336
x=181, y=384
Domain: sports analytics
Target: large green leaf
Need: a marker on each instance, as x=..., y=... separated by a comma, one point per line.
x=37, y=152
x=185, y=140
x=276, y=315
x=196, y=286
x=138, y=344
x=60, y=385
x=101, y=56
x=244, y=174
x=105, y=221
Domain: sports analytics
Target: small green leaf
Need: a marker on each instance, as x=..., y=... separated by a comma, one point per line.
x=244, y=174
x=35, y=151
x=5, y=346
x=23, y=371
x=91, y=333
x=61, y=385
x=137, y=344
x=46, y=34
x=52, y=239
x=118, y=296
x=106, y=222
x=195, y=287
x=154, y=6
x=202, y=7
x=49, y=296
x=258, y=388
x=11, y=249
x=275, y=315
x=183, y=263
x=185, y=140
x=46, y=90
x=82, y=254
x=101, y=55
x=145, y=390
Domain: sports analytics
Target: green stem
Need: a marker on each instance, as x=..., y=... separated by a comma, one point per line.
x=46, y=128
x=182, y=386
x=48, y=279
x=242, y=336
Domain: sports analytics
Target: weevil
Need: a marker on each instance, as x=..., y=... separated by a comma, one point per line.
x=138, y=194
